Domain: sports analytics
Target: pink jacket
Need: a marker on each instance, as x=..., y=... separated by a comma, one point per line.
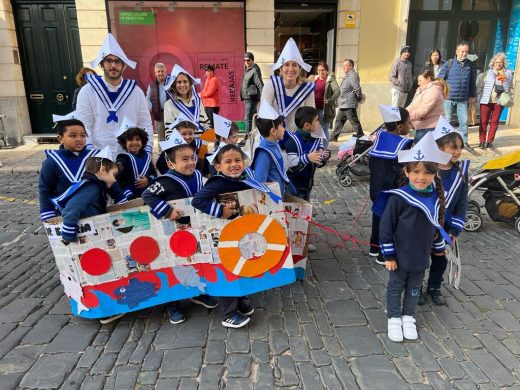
x=426, y=106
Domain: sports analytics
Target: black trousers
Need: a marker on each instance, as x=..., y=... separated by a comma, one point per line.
x=437, y=268
x=209, y=112
x=345, y=114
x=229, y=305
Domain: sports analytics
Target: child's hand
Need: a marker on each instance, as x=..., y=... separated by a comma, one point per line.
x=228, y=211
x=314, y=157
x=142, y=182
x=175, y=214
x=391, y=265
x=326, y=155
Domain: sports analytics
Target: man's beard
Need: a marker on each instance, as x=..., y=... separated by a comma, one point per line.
x=108, y=76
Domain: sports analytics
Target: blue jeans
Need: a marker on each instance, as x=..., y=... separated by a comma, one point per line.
x=403, y=281
x=419, y=133
x=325, y=126
x=461, y=108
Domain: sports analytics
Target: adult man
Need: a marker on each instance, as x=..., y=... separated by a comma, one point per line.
x=460, y=75
x=348, y=101
x=401, y=78
x=250, y=89
x=156, y=97
x=106, y=100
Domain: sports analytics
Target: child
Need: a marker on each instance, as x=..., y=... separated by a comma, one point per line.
x=305, y=152
x=186, y=129
x=137, y=171
x=232, y=176
x=181, y=181
x=268, y=163
x=385, y=171
x=65, y=166
x=454, y=178
x=87, y=197
x=410, y=225
x=226, y=133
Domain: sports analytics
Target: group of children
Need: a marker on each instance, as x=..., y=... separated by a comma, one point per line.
x=415, y=215
x=76, y=182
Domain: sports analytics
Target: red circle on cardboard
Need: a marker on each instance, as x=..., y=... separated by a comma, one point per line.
x=90, y=299
x=183, y=243
x=95, y=261
x=144, y=249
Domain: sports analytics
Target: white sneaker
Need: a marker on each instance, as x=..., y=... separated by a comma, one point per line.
x=409, y=328
x=311, y=248
x=395, y=330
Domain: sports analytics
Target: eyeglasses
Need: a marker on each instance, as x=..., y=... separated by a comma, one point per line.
x=247, y=60
x=115, y=61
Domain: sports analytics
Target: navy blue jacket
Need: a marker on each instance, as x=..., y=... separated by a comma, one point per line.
x=204, y=200
x=384, y=175
x=126, y=176
x=456, y=187
x=90, y=199
x=171, y=186
x=407, y=236
x=461, y=78
x=61, y=168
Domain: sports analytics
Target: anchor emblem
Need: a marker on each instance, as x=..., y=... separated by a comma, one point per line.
x=445, y=130
x=227, y=123
x=419, y=155
x=177, y=141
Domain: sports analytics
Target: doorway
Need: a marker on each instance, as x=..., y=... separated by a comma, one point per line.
x=50, y=54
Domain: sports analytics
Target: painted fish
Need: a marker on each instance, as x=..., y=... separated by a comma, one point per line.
x=188, y=276
x=135, y=292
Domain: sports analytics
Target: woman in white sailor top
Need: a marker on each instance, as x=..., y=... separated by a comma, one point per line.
x=183, y=98
x=289, y=91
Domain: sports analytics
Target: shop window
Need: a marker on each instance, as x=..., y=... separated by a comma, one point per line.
x=484, y=5
x=431, y=5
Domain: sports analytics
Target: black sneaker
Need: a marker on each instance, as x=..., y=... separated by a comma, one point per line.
x=176, y=315
x=422, y=300
x=236, y=321
x=380, y=259
x=245, y=308
x=373, y=251
x=206, y=301
x=437, y=297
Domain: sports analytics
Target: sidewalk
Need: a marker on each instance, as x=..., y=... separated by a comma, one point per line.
x=28, y=158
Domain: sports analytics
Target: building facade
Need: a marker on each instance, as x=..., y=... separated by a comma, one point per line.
x=44, y=43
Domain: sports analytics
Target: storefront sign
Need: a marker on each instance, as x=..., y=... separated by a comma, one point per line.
x=136, y=17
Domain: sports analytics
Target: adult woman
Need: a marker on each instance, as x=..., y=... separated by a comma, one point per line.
x=288, y=91
x=427, y=104
x=326, y=92
x=80, y=82
x=496, y=82
x=211, y=93
x=434, y=62
x=180, y=89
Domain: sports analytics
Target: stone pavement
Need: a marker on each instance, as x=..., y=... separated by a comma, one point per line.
x=328, y=331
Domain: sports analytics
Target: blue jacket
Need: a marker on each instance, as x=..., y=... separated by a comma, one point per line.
x=62, y=168
x=268, y=169
x=461, y=78
x=456, y=187
x=134, y=166
x=171, y=186
x=88, y=200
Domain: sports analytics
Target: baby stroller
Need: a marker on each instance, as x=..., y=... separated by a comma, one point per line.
x=354, y=159
x=498, y=181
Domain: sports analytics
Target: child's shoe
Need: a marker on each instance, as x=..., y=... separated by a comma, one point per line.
x=206, y=301
x=236, y=321
x=409, y=328
x=373, y=251
x=437, y=297
x=311, y=248
x=108, y=320
x=245, y=308
x=395, y=330
x=176, y=315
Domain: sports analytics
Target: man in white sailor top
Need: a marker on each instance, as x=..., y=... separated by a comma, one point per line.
x=105, y=100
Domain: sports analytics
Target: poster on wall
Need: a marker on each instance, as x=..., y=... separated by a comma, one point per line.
x=182, y=36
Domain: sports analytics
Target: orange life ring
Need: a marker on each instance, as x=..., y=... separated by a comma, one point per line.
x=229, y=251
x=207, y=137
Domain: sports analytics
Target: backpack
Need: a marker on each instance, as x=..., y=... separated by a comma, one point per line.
x=450, y=64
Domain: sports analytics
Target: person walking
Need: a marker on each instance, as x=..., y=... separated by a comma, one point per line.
x=326, y=93
x=211, y=94
x=496, y=82
x=350, y=96
x=401, y=78
x=460, y=75
x=251, y=87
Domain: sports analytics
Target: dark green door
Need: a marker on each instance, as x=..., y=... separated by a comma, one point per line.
x=51, y=56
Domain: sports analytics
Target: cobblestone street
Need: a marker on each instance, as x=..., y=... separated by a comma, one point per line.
x=328, y=331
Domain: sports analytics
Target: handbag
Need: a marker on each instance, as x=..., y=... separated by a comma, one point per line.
x=506, y=99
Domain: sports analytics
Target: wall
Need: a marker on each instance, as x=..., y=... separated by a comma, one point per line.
x=92, y=23
x=13, y=103
x=260, y=33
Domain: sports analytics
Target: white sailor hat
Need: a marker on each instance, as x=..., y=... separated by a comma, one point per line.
x=222, y=125
x=211, y=157
x=443, y=128
x=125, y=125
x=67, y=117
x=390, y=113
x=175, y=72
x=426, y=150
x=290, y=52
x=110, y=46
x=267, y=111
x=105, y=153
x=180, y=118
x=175, y=139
